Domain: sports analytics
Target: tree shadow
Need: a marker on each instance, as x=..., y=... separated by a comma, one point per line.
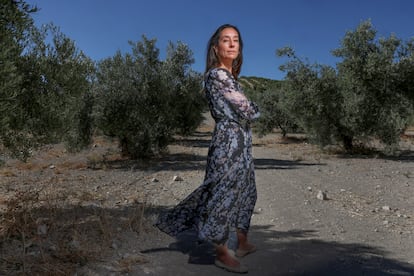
x=188, y=162
x=193, y=161
x=296, y=252
x=277, y=164
x=197, y=139
x=280, y=140
x=173, y=162
x=403, y=156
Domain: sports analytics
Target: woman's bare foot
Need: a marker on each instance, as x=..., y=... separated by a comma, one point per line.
x=226, y=259
x=245, y=250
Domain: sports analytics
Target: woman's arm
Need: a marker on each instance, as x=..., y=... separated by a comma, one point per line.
x=241, y=105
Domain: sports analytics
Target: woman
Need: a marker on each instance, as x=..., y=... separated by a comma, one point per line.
x=221, y=208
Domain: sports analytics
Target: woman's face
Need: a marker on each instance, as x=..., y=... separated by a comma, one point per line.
x=228, y=47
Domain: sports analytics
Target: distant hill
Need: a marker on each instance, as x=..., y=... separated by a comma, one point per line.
x=259, y=84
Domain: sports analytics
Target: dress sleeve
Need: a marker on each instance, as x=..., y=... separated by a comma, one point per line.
x=241, y=105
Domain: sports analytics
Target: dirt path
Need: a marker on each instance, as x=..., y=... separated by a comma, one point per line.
x=364, y=226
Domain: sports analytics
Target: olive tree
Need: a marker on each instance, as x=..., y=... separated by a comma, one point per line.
x=366, y=97
x=58, y=86
x=274, y=114
x=311, y=98
x=374, y=79
x=143, y=101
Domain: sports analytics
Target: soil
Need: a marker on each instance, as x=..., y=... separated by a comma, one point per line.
x=317, y=213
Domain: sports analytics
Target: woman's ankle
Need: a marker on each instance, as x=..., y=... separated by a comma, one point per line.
x=226, y=256
x=241, y=237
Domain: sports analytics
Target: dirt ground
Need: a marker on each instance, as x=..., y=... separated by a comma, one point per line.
x=91, y=213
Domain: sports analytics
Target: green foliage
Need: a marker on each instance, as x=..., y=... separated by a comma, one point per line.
x=274, y=114
x=15, y=24
x=267, y=94
x=43, y=85
x=58, y=84
x=368, y=96
x=187, y=100
x=311, y=98
x=373, y=75
x=49, y=90
x=143, y=101
x=80, y=133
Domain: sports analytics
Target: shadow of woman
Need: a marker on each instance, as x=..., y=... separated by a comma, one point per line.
x=297, y=252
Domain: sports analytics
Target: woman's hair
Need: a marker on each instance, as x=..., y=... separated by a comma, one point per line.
x=212, y=58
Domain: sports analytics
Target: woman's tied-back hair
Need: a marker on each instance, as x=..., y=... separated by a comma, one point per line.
x=212, y=58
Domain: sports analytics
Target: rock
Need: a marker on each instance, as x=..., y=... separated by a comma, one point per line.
x=386, y=208
x=321, y=195
x=114, y=246
x=154, y=180
x=74, y=244
x=177, y=178
x=42, y=229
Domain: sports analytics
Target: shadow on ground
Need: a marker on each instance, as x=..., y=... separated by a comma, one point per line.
x=194, y=161
x=296, y=252
x=76, y=235
x=278, y=164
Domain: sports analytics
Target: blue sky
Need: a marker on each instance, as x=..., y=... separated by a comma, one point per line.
x=311, y=27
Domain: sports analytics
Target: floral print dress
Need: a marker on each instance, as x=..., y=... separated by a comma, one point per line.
x=226, y=199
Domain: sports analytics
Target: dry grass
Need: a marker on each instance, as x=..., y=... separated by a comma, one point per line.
x=44, y=233
x=7, y=173
x=125, y=265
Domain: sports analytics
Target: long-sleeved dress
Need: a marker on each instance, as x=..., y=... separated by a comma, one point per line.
x=226, y=199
